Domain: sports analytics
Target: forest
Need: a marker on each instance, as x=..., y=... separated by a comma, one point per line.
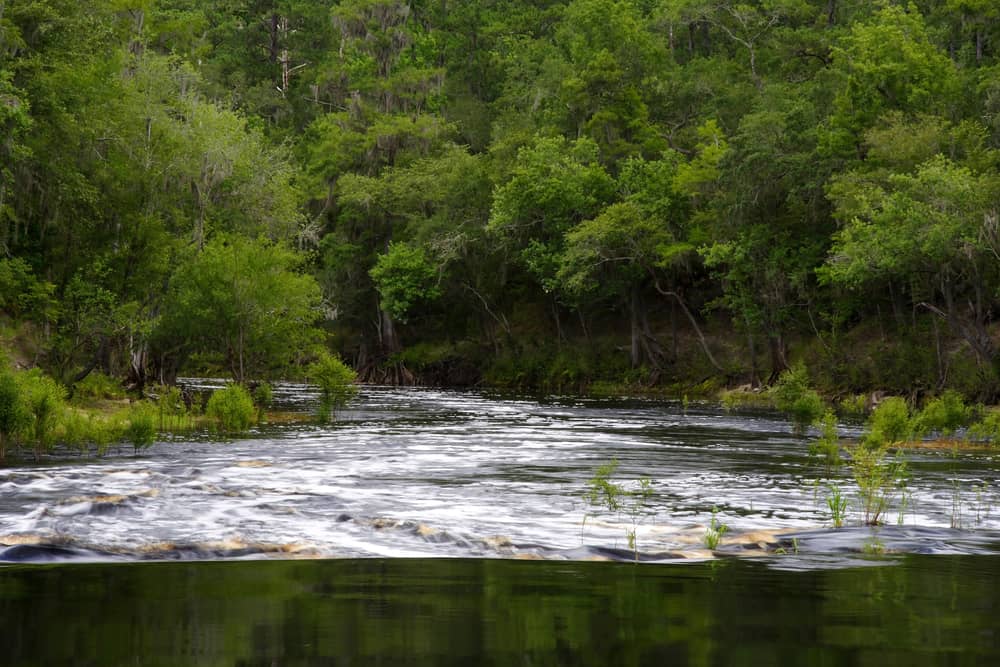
x=538, y=194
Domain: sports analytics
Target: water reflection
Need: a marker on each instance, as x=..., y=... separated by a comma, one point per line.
x=922, y=610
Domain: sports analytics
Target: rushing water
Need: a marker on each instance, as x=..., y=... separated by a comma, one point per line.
x=420, y=473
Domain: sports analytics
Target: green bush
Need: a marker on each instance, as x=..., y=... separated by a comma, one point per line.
x=14, y=414
x=97, y=385
x=232, y=408
x=45, y=400
x=827, y=446
x=793, y=396
x=879, y=478
x=944, y=415
x=889, y=423
x=140, y=425
x=335, y=380
x=987, y=428
x=263, y=397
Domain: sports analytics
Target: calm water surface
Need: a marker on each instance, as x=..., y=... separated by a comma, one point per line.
x=408, y=476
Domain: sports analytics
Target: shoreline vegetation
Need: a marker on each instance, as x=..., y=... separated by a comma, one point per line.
x=671, y=197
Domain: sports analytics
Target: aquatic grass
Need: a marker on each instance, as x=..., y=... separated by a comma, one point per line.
x=140, y=425
x=827, y=446
x=879, y=476
x=616, y=498
x=837, y=504
x=715, y=531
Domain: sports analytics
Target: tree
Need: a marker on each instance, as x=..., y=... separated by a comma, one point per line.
x=243, y=300
x=935, y=230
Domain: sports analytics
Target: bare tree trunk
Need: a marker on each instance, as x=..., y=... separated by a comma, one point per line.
x=694, y=323
x=779, y=361
x=635, y=353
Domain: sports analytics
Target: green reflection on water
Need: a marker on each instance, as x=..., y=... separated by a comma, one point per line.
x=919, y=610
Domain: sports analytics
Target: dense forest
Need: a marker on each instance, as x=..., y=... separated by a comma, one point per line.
x=544, y=193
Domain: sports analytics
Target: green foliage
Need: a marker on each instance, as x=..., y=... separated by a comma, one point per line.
x=231, y=408
x=827, y=446
x=880, y=478
x=263, y=397
x=734, y=399
x=793, y=395
x=889, y=423
x=335, y=380
x=14, y=413
x=45, y=401
x=97, y=385
x=617, y=499
x=140, y=427
x=405, y=278
x=837, y=504
x=854, y=405
x=944, y=415
x=715, y=531
x=788, y=171
x=244, y=299
x=986, y=428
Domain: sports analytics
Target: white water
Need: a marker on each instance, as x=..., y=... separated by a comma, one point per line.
x=417, y=472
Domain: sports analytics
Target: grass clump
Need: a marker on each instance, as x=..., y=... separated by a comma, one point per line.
x=716, y=529
x=880, y=477
x=140, y=425
x=232, y=408
x=602, y=492
x=827, y=446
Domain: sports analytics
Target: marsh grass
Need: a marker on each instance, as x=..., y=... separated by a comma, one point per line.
x=616, y=498
x=715, y=531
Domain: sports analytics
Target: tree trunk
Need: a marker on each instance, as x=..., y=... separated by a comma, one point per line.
x=752, y=346
x=694, y=323
x=779, y=361
x=635, y=352
x=388, y=336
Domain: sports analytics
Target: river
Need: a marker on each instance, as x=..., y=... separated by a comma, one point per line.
x=290, y=533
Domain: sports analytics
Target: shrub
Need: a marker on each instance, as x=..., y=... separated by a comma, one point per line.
x=854, y=405
x=793, y=396
x=263, y=396
x=45, y=400
x=987, y=428
x=879, y=477
x=14, y=415
x=140, y=426
x=97, y=385
x=232, y=408
x=827, y=446
x=944, y=414
x=889, y=423
x=335, y=381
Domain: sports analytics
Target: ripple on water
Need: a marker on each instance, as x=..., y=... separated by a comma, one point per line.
x=412, y=472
